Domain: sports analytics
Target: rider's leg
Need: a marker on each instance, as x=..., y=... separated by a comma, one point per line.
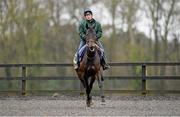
x=103, y=58
x=75, y=60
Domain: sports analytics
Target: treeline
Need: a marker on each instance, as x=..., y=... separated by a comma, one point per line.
x=45, y=31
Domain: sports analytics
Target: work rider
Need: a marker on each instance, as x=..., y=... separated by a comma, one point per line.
x=89, y=21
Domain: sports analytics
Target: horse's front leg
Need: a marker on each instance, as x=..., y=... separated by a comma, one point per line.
x=91, y=86
x=100, y=83
x=91, y=83
x=83, y=83
x=88, y=101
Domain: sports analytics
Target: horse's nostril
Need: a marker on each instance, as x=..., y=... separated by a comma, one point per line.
x=91, y=49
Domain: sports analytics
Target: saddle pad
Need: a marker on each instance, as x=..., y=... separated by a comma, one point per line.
x=81, y=52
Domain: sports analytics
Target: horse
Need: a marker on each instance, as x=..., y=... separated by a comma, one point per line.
x=90, y=66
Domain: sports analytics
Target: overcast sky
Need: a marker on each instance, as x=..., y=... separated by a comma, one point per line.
x=101, y=13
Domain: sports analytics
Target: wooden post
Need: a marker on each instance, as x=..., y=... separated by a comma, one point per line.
x=23, y=84
x=144, y=79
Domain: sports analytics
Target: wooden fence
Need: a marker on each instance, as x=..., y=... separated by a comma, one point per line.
x=143, y=77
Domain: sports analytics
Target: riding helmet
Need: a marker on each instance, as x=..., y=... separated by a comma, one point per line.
x=87, y=11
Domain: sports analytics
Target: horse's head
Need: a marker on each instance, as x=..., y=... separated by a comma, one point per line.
x=91, y=39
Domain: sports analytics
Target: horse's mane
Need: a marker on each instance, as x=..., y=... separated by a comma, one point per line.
x=90, y=34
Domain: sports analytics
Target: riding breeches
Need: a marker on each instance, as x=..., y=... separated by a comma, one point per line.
x=82, y=43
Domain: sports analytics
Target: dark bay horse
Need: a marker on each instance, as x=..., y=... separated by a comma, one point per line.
x=90, y=68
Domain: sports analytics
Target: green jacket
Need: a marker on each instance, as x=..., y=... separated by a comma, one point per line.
x=83, y=29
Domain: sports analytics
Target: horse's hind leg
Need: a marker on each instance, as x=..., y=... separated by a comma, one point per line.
x=101, y=87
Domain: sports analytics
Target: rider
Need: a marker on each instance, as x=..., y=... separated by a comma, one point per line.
x=89, y=20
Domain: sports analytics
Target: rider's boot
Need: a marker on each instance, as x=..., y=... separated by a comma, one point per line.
x=105, y=66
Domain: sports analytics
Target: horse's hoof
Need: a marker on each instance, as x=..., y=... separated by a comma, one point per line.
x=91, y=103
x=103, y=100
x=88, y=104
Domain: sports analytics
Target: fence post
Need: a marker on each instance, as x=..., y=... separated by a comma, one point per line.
x=23, y=84
x=144, y=79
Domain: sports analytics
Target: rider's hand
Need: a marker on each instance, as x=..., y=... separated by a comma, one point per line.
x=84, y=37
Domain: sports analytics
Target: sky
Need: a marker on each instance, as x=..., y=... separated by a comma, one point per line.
x=142, y=24
x=105, y=18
